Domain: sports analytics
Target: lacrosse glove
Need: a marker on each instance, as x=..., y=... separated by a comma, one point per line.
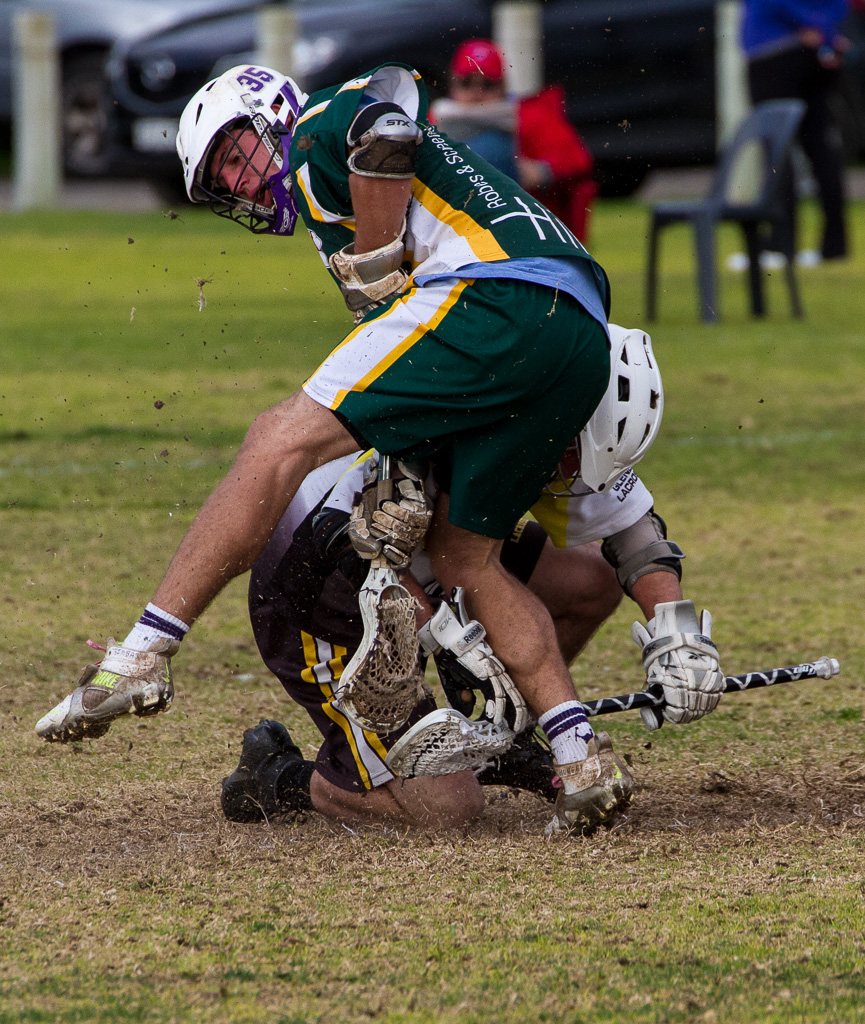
x=681, y=663
x=466, y=660
x=394, y=527
x=333, y=547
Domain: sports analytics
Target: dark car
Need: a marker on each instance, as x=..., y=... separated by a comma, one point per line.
x=85, y=31
x=639, y=75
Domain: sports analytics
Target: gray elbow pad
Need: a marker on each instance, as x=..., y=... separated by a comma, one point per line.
x=642, y=548
x=383, y=142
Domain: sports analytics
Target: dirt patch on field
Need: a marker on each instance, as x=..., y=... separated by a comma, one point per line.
x=128, y=833
x=716, y=801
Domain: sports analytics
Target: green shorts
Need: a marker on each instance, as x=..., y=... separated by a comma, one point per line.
x=490, y=379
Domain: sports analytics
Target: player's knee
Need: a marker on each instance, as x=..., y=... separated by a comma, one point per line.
x=460, y=806
x=603, y=589
x=275, y=428
x=300, y=428
x=444, y=801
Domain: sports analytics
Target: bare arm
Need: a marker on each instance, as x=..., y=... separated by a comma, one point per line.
x=655, y=588
x=379, y=207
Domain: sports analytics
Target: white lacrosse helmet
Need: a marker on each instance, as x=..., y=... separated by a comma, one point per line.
x=628, y=417
x=243, y=99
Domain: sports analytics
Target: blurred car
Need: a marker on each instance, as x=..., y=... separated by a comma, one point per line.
x=85, y=31
x=638, y=75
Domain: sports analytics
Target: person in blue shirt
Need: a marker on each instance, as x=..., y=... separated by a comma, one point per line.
x=795, y=49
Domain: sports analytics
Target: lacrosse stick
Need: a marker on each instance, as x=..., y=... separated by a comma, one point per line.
x=822, y=668
x=382, y=683
x=444, y=742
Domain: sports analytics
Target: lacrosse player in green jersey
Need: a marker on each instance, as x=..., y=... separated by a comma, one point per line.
x=480, y=341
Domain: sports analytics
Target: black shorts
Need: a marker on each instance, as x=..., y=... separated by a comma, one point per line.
x=307, y=626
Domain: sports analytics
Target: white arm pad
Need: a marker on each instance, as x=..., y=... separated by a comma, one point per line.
x=464, y=638
x=369, y=278
x=444, y=630
x=383, y=142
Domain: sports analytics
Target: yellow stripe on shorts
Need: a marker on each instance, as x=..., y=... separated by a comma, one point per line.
x=335, y=667
x=403, y=346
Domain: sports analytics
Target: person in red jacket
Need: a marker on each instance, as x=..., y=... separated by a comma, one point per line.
x=531, y=138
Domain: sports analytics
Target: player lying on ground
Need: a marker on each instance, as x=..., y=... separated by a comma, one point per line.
x=304, y=611
x=305, y=617
x=498, y=304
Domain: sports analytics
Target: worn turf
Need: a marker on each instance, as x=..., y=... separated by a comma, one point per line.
x=733, y=890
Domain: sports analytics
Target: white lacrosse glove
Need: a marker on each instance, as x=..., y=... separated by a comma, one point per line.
x=681, y=662
x=459, y=647
x=391, y=528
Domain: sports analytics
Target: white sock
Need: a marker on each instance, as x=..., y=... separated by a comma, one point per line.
x=568, y=731
x=155, y=624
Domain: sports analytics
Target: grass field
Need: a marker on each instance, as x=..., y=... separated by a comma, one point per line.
x=734, y=890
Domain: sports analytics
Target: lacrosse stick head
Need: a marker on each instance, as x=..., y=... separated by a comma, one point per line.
x=444, y=742
x=383, y=682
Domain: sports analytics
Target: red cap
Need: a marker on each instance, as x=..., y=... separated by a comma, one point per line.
x=478, y=57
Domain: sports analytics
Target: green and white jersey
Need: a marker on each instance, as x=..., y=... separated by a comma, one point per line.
x=462, y=210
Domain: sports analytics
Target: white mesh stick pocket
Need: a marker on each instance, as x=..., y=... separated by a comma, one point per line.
x=444, y=742
x=383, y=682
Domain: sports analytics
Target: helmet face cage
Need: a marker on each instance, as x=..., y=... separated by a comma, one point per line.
x=565, y=481
x=235, y=141
x=262, y=139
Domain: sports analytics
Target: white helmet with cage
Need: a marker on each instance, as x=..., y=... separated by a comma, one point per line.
x=261, y=104
x=628, y=417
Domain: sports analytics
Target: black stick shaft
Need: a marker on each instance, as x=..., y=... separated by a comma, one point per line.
x=822, y=668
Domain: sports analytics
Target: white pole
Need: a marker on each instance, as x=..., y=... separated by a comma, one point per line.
x=731, y=73
x=518, y=30
x=277, y=35
x=35, y=112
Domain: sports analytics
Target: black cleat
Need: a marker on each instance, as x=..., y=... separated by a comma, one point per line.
x=272, y=776
x=527, y=765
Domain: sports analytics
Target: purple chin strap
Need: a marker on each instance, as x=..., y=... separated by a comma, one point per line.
x=284, y=204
